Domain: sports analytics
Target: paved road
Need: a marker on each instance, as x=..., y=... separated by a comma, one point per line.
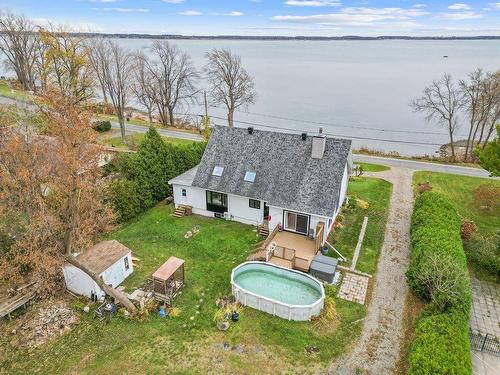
x=162, y=132
x=391, y=162
x=422, y=165
x=129, y=127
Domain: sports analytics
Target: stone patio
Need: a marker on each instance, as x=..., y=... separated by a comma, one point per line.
x=485, y=314
x=353, y=288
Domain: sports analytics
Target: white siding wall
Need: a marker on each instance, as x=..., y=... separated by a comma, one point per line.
x=276, y=214
x=236, y=205
x=241, y=211
x=116, y=273
x=79, y=282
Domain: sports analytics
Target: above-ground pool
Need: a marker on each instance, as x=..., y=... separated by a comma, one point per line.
x=279, y=291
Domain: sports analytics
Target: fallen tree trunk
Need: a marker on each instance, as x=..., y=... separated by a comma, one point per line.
x=116, y=294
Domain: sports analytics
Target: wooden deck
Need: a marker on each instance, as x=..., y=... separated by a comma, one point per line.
x=304, y=250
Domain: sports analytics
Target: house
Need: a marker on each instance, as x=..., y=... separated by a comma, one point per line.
x=111, y=260
x=295, y=181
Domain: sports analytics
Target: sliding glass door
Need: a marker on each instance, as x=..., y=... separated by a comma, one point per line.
x=296, y=222
x=216, y=202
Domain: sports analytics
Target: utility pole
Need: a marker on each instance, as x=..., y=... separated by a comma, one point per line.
x=206, y=105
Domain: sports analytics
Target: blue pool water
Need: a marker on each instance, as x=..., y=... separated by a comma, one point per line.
x=278, y=284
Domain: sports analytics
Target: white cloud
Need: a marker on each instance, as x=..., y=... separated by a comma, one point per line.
x=173, y=1
x=458, y=16
x=234, y=14
x=419, y=5
x=494, y=5
x=123, y=10
x=313, y=3
x=104, y=1
x=356, y=16
x=459, y=6
x=190, y=13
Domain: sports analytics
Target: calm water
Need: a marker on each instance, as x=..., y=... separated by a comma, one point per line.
x=280, y=288
x=348, y=85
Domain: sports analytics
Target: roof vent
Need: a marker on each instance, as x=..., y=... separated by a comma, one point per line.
x=250, y=130
x=304, y=136
x=318, y=145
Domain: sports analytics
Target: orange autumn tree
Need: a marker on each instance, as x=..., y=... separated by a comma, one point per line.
x=52, y=202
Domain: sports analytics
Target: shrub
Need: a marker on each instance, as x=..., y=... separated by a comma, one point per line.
x=101, y=126
x=467, y=229
x=125, y=199
x=424, y=186
x=438, y=266
x=150, y=169
x=438, y=273
x=487, y=196
x=441, y=346
x=484, y=252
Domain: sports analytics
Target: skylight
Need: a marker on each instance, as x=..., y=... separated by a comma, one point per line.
x=217, y=171
x=249, y=177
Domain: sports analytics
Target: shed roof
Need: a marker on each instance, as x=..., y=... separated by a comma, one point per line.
x=286, y=174
x=103, y=255
x=168, y=268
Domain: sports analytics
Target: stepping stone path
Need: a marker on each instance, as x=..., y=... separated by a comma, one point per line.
x=354, y=288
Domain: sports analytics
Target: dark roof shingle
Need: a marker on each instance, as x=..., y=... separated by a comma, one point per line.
x=286, y=174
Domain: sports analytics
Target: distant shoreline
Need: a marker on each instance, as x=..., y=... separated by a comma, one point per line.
x=284, y=38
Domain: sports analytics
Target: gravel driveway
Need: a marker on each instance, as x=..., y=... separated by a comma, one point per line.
x=377, y=351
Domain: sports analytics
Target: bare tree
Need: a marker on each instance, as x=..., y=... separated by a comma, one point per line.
x=115, y=69
x=66, y=64
x=481, y=97
x=96, y=51
x=173, y=77
x=441, y=101
x=143, y=85
x=18, y=42
x=230, y=83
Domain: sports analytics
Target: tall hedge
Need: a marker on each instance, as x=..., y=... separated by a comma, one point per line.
x=441, y=346
x=145, y=175
x=436, y=244
x=438, y=273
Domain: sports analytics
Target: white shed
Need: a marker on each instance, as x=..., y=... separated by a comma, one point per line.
x=111, y=260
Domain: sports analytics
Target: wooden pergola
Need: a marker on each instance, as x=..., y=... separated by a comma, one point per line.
x=168, y=279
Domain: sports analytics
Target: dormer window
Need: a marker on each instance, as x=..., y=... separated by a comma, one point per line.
x=217, y=171
x=249, y=177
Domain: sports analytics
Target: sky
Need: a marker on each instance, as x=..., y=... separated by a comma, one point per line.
x=268, y=17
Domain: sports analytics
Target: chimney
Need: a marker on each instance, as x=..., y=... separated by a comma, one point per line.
x=250, y=130
x=318, y=145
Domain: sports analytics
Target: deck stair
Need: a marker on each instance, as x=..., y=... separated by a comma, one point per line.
x=258, y=254
x=182, y=210
x=263, y=229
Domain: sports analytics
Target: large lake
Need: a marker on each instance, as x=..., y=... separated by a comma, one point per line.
x=351, y=87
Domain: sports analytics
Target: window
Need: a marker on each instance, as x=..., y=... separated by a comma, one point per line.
x=217, y=171
x=254, y=203
x=249, y=177
x=127, y=265
x=216, y=202
x=184, y=192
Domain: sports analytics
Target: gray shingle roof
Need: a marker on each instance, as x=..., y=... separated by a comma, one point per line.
x=286, y=174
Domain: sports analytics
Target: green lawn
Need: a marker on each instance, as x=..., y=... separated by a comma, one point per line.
x=377, y=193
x=189, y=343
x=369, y=167
x=459, y=189
x=134, y=139
x=6, y=90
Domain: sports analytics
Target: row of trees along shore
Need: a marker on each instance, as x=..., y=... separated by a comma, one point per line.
x=163, y=80
x=473, y=103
